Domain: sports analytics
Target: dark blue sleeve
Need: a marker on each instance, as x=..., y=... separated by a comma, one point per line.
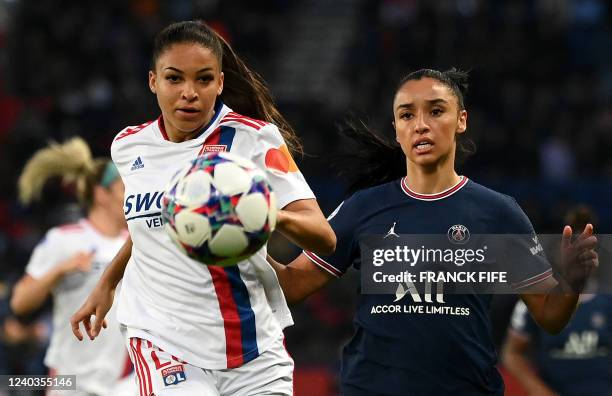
x=524, y=257
x=342, y=220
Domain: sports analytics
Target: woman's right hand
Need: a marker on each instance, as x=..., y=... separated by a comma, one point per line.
x=97, y=304
x=100, y=300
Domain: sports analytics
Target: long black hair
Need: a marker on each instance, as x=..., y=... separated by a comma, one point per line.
x=373, y=158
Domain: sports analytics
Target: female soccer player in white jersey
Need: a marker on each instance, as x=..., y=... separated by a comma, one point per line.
x=411, y=344
x=68, y=262
x=196, y=329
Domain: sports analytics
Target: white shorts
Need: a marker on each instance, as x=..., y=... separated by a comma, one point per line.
x=161, y=374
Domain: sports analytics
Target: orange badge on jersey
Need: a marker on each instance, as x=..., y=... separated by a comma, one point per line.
x=281, y=160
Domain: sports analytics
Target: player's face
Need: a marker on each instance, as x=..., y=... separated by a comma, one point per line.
x=426, y=120
x=187, y=80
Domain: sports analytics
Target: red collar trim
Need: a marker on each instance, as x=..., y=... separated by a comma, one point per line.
x=162, y=128
x=434, y=197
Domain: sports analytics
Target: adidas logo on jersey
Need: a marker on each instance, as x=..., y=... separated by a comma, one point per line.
x=138, y=164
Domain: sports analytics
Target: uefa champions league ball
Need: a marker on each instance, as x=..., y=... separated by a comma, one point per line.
x=219, y=209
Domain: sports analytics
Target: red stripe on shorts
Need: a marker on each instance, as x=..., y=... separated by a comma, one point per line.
x=149, y=389
x=139, y=373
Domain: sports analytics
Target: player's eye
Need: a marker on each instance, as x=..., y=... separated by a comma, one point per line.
x=437, y=112
x=206, y=79
x=406, y=116
x=173, y=78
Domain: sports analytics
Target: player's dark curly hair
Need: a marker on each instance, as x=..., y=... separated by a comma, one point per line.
x=243, y=90
x=376, y=159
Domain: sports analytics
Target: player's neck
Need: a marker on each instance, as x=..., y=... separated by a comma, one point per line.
x=175, y=136
x=424, y=181
x=101, y=222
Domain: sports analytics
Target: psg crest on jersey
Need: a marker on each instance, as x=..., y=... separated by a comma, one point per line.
x=458, y=234
x=173, y=375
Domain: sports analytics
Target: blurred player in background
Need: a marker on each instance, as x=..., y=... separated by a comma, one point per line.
x=575, y=362
x=194, y=329
x=68, y=262
x=413, y=188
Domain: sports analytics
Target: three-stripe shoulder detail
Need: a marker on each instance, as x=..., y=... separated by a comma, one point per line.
x=133, y=130
x=244, y=120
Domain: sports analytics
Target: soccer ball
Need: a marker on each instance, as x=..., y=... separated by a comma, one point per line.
x=219, y=209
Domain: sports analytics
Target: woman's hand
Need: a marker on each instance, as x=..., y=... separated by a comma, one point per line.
x=100, y=300
x=578, y=257
x=98, y=304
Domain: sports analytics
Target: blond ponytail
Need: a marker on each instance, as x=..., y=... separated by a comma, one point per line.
x=71, y=160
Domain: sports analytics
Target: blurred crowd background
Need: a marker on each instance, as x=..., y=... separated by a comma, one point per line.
x=540, y=111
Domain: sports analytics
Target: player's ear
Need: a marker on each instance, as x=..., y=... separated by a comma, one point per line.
x=462, y=122
x=221, y=79
x=152, y=81
x=393, y=125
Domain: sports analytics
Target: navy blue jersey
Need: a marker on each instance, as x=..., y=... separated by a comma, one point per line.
x=418, y=345
x=577, y=361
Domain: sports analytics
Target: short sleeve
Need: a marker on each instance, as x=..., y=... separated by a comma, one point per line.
x=45, y=256
x=521, y=321
x=525, y=260
x=116, y=152
x=342, y=221
x=272, y=155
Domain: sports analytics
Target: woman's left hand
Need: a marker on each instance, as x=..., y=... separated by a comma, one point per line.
x=578, y=257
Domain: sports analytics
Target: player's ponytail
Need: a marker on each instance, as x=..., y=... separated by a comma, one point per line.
x=246, y=92
x=370, y=159
x=243, y=89
x=72, y=161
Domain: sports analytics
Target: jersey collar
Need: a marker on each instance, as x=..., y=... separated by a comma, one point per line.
x=218, y=108
x=433, y=197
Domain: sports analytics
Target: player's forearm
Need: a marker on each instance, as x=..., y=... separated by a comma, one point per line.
x=30, y=294
x=299, y=279
x=557, y=310
x=552, y=309
x=551, y=303
x=520, y=368
x=286, y=280
x=115, y=270
x=308, y=229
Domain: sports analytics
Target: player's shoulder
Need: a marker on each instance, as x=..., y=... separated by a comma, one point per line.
x=510, y=216
x=65, y=232
x=388, y=189
x=245, y=124
x=132, y=138
x=370, y=198
x=489, y=197
x=132, y=133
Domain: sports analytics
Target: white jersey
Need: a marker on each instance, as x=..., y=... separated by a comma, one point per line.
x=99, y=364
x=211, y=317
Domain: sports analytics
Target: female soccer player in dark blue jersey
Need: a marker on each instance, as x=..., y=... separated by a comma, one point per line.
x=411, y=343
